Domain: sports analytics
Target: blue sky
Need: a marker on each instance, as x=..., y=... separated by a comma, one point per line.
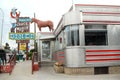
x=44, y=9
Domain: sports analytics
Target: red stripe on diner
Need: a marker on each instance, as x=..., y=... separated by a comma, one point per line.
x=61, y=56
x=97, y=60
x=99, y=13
x=61, y=52
x=97, y=5
x=103, y=55
x=102, y=50
x=101, y=21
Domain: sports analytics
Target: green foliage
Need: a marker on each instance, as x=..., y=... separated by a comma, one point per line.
x=30, y=53
x=32, y=50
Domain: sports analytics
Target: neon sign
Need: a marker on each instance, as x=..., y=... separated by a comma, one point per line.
x=21, y=36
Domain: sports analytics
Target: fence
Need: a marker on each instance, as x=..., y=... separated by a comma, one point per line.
x=12, y=63
x=8, y=67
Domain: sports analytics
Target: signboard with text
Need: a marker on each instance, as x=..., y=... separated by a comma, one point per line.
x=21, y=36
x=22, y=30
x=22, y=46
x=24, y=19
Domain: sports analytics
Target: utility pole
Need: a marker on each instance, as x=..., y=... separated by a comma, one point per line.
x=35, y=34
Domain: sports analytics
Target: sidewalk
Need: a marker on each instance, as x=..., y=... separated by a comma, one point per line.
x=22, y=71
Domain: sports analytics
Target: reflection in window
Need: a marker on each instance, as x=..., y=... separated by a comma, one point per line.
x=46, y=50
x=68, y=33
x=75, y=35
x=96, y=35
x=45, y=44
x=72, y=34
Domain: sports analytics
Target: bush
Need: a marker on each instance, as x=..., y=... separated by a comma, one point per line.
x=30, y=53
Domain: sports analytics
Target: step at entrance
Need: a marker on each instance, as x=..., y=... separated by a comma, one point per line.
x=46, y=64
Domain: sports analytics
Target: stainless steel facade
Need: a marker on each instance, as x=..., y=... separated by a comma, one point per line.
x=89, y=36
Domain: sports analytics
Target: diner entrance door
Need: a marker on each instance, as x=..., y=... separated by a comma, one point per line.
x=46, y=53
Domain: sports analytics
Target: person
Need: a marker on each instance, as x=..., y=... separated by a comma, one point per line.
x=3, y=56
x=24, y=57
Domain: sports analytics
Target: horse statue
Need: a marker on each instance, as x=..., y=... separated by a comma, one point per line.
x=41, y=24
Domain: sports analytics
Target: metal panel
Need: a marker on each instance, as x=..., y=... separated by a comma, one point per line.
x=114, y=35
x=100, y=17
x=74, y=57
x=106, y=56
x=72, y=17
x=82, y=35
x=98, y=56
x=98, y=8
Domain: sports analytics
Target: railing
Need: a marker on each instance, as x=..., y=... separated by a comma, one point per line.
x=32, y=62
x=35, y=59
x=12, y=63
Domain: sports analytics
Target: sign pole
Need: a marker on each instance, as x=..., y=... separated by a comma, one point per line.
x=18, y=49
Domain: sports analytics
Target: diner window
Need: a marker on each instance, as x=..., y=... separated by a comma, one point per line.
x=75, y=35
x=72, y=35
x=96, y=35
x=68, y=36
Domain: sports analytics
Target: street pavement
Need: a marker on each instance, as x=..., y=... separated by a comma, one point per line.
x=22, y=71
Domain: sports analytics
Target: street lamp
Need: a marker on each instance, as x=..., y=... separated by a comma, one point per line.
x=2, y=26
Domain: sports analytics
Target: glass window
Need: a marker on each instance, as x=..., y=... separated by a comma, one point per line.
x=96, y=35
x=72, y=35
x=46, y=50
x=75, y=35
x=68, y=36
x=46, y=45
x=56, y=43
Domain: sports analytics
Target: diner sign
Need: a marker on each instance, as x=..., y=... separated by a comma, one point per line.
x=24, y=19
x=21, y=36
